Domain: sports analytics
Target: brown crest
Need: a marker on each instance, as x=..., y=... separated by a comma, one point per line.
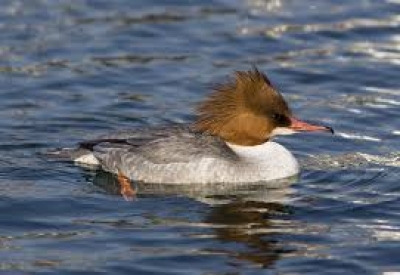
x=242, y=110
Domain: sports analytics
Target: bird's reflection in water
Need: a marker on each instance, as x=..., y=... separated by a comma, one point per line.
x=249, y=223
x=241, y=214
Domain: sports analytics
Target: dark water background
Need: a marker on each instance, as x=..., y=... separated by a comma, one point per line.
x=74, y=69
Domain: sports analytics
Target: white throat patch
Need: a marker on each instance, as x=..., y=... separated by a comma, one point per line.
x=282, y=131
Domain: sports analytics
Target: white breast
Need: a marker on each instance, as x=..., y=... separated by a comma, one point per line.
x=267, y=161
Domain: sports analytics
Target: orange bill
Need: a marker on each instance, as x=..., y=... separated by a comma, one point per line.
x=302, y=126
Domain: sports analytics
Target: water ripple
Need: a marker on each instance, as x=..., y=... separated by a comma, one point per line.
x=74, y=70
x=342, y=26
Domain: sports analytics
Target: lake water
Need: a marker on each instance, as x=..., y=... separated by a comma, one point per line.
x=71, y=70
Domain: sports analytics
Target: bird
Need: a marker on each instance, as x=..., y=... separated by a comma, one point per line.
x=230, y=141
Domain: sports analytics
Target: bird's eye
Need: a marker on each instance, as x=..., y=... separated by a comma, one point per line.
x=280, y=119
x=277, y=117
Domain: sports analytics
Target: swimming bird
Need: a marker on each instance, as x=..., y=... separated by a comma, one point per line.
x=229, y=142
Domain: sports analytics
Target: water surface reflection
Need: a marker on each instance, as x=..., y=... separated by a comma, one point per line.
x=246, y=215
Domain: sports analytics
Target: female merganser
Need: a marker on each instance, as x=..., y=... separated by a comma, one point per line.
x=230, y=142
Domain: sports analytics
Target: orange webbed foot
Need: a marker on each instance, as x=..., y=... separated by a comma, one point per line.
x=127, y=192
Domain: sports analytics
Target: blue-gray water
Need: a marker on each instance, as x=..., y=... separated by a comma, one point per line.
x=70, y=70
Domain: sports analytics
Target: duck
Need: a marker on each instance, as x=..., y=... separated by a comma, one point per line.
x=230, y=141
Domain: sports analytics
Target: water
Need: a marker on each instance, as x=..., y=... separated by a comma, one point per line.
x=76, y=69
